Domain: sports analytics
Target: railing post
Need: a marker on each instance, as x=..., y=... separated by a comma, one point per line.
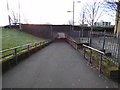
x=35, y=45
x=90, y=42
x=88, y=36
x=84, y=52
x=51, y=31
x=90, y=56
x=82, y=34
x=29, y=50
x=40, y=44
x=43, y=43
x=76, y=46
x=73, y=34
x=104, y=41
x=100, y=64
x=16, y=55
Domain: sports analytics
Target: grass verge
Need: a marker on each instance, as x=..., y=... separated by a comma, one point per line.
x=107, y=65
x=13, y=38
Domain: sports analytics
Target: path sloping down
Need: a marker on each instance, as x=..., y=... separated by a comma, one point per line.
x=57, y=66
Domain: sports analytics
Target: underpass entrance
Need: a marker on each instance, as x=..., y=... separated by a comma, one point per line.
x=60, y=35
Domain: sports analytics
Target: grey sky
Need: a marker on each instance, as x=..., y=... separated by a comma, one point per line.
x=44, y=11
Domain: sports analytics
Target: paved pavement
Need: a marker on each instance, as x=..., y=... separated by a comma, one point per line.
x=56, y=66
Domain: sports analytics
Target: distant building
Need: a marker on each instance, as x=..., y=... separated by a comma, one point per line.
x=85, y=25
x=102, y=23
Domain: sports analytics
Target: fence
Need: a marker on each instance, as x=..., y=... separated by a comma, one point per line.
x=100, y=52
x=108, y=42
x=80, y=36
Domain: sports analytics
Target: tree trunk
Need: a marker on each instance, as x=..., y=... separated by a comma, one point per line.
x=117, y=23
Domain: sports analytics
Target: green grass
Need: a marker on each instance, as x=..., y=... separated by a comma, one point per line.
x=13, y=38
x=107, y=65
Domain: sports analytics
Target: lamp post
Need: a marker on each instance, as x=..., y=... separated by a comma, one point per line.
x=73, y=12
x=19, y=15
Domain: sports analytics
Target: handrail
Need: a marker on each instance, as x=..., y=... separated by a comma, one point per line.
x=19, y=46
x=101, y=54
x=93, y=49
x=41, y=43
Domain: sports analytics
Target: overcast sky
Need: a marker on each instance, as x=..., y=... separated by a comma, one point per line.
x=43, y=11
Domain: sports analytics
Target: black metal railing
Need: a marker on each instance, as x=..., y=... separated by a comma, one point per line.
x=26, y=47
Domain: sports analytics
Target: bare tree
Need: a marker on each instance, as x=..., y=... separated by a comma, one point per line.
x=114, y=7
x=82, y=17
x=14, y=18
x=9, y=18
x=93, y=12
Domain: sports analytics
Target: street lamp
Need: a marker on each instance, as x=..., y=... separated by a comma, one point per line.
x=19, y=15
x=73, y=11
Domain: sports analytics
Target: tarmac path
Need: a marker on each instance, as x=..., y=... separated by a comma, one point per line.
x=57, y=66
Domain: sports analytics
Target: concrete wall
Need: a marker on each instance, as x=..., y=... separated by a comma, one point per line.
x=37, y=30
x=45, y=31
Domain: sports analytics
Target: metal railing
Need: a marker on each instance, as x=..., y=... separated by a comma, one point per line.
x=99, y=51
x=105, y=41
x=29, y=46
x=80, y=36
